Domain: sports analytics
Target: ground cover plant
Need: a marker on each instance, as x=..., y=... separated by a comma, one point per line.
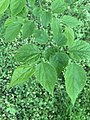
x=51, y=49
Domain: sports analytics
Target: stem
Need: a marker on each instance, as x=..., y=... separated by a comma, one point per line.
x=71, y=108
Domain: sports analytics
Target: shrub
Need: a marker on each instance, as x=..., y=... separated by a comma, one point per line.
x=52, y=48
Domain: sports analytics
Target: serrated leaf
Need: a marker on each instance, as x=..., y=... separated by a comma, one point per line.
x=44, y=76
x=59, y=61
x=3, y=5
x=12, y=31
x=16, y=6
x=55, y=26
x=28, y=54
x=45, y=18
x=69, y=33
x=41, y=36
x=80, y=50
x=75, y=79
x=58, y=6
x=71, y=21
x=21, y=74
x=60, y=39
x=28, y=29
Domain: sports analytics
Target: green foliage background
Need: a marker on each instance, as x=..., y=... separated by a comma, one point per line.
x=30, y=101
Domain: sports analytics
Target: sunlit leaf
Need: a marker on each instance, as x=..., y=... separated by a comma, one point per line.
x=80, y=50
x=21, y=74
x=75, y=79
x=3, y=6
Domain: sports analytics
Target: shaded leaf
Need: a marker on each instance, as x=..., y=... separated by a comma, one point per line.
x=49, y=51
x=70, y=1
x=41, y=36
x=59, y=61
x=28, y=29
x=44, y=76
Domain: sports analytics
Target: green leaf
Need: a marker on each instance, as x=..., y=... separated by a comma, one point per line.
x=28, y=29
x=49, y=51
x=59, y=61
x=60, y=39
x=37, y=11
x=28, y=54
x=69, y=33
x=41, y=36
x=58, y=36
x=71, y=21
x=16, y=6
x=9, y=21
x=75, y=79
x=12, y=110
x=45, y=18
x=12, y=31
x=31, y=2
x=80, y=50
x=47, y=76
x=24, y=12
x=55, y=26
x=21, y=74
x=12, y=20
x=3, y=6
x=58, y=6
x=69, y=1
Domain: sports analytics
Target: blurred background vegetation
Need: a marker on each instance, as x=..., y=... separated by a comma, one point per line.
x=30, y=101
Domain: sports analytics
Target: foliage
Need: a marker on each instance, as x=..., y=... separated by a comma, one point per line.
x=30, y=100
x=51, y=30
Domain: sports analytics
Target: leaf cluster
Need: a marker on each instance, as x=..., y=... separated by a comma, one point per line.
x=52, y=47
